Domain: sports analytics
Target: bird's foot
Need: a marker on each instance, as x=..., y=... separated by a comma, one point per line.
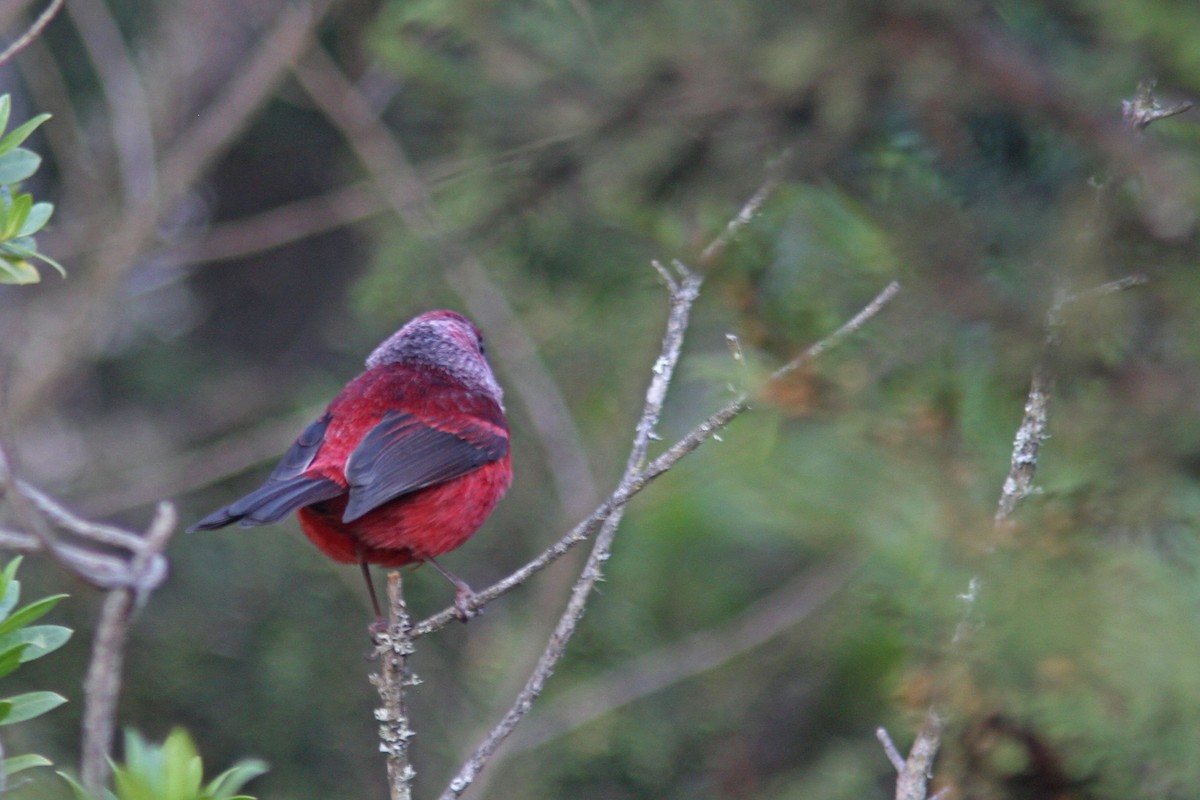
x=377, y=629
x=464, y=603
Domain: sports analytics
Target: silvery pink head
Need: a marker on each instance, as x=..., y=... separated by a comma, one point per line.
x=445, y=340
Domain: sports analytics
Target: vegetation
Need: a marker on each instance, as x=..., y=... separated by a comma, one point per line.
x=244, y=222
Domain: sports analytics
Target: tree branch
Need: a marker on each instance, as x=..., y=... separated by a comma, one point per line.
x=912, y=783
x=683, y=295
x=626, y=490
x=393, y=646
x=34, y=30
x=693, y=655
x=102, y=684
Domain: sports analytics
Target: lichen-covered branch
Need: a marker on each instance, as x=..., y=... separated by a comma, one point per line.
x=393, y=646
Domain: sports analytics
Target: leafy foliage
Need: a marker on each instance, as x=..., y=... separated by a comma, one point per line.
x=20, y=216
x=172, y=771
x=21, y=642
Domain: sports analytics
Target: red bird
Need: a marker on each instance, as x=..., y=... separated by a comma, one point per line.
x=405, y=464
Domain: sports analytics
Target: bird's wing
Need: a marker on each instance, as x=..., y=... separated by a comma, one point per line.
x=285, y=490
x=402, y=454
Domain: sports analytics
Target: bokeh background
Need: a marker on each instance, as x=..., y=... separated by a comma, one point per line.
x=252, y=193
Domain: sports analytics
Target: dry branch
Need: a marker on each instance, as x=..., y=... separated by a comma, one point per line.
x=34, y=30
x=682, y=296
x=693, y=655
x=393, y=646
x=102, y=684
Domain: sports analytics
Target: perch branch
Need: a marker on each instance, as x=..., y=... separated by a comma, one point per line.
x=683, y=295
x=393, y=646
x=626, y=490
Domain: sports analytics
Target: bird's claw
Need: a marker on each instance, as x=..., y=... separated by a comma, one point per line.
x=464, y=604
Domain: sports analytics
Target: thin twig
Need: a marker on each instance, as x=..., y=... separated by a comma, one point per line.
x=740, y=220
x=48, y=357
x=1018, y=485
x=693, y=655
x=688, y=289
x=853, y=324
x=1144, y=108
x=128, y=109
x=890, y=749
x=701, y=433
x=913, y=781
x=606, y=518
x=102, y=684
x=393, y=646
x=33, y=32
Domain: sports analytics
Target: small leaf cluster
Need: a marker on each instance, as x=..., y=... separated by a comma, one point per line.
x=21, y=642
x=171, y=771
x=20, y=216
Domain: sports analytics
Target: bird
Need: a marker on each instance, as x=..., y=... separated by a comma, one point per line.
x=406, y=463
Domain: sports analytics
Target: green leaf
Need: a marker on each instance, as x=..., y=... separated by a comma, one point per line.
x=30, y=705
x=11, y=587
x=5, y=110
x=15, y=220
x=5, y=709
x=224, y=785
x=29, y=613
x=11, y=658
x=26, y=248
x=182, y=768
x=21, y=133
x=15, y=764
x=18, y=271
x=39, y=215
x=17, y=165
x=81, y=793
x=41, y=639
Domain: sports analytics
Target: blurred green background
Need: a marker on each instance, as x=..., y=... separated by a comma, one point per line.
x=252, y=194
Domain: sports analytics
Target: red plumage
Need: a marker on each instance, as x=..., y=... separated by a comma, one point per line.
x=406, y=463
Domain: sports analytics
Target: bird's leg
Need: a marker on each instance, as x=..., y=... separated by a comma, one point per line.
x=464, y=597
x=366, y=573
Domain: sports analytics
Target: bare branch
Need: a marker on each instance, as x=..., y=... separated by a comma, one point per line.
x=714, y=424
x=853, y=324
x=1144, y=108
x=33, y=31
x=121, y=85
x=393, y=646
x=1032, y=431
x=102, y=684
x=53, y=350
x=688, y=289
x=889, y=747
x=279, y=226
x=693, y=655
x=1027, y=445
x=745, y=215
x=1018, y=484
x=913, y=781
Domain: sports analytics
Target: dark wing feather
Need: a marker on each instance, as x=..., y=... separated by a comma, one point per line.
x=300, y=455
x=402, y=454
x=285, y=490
